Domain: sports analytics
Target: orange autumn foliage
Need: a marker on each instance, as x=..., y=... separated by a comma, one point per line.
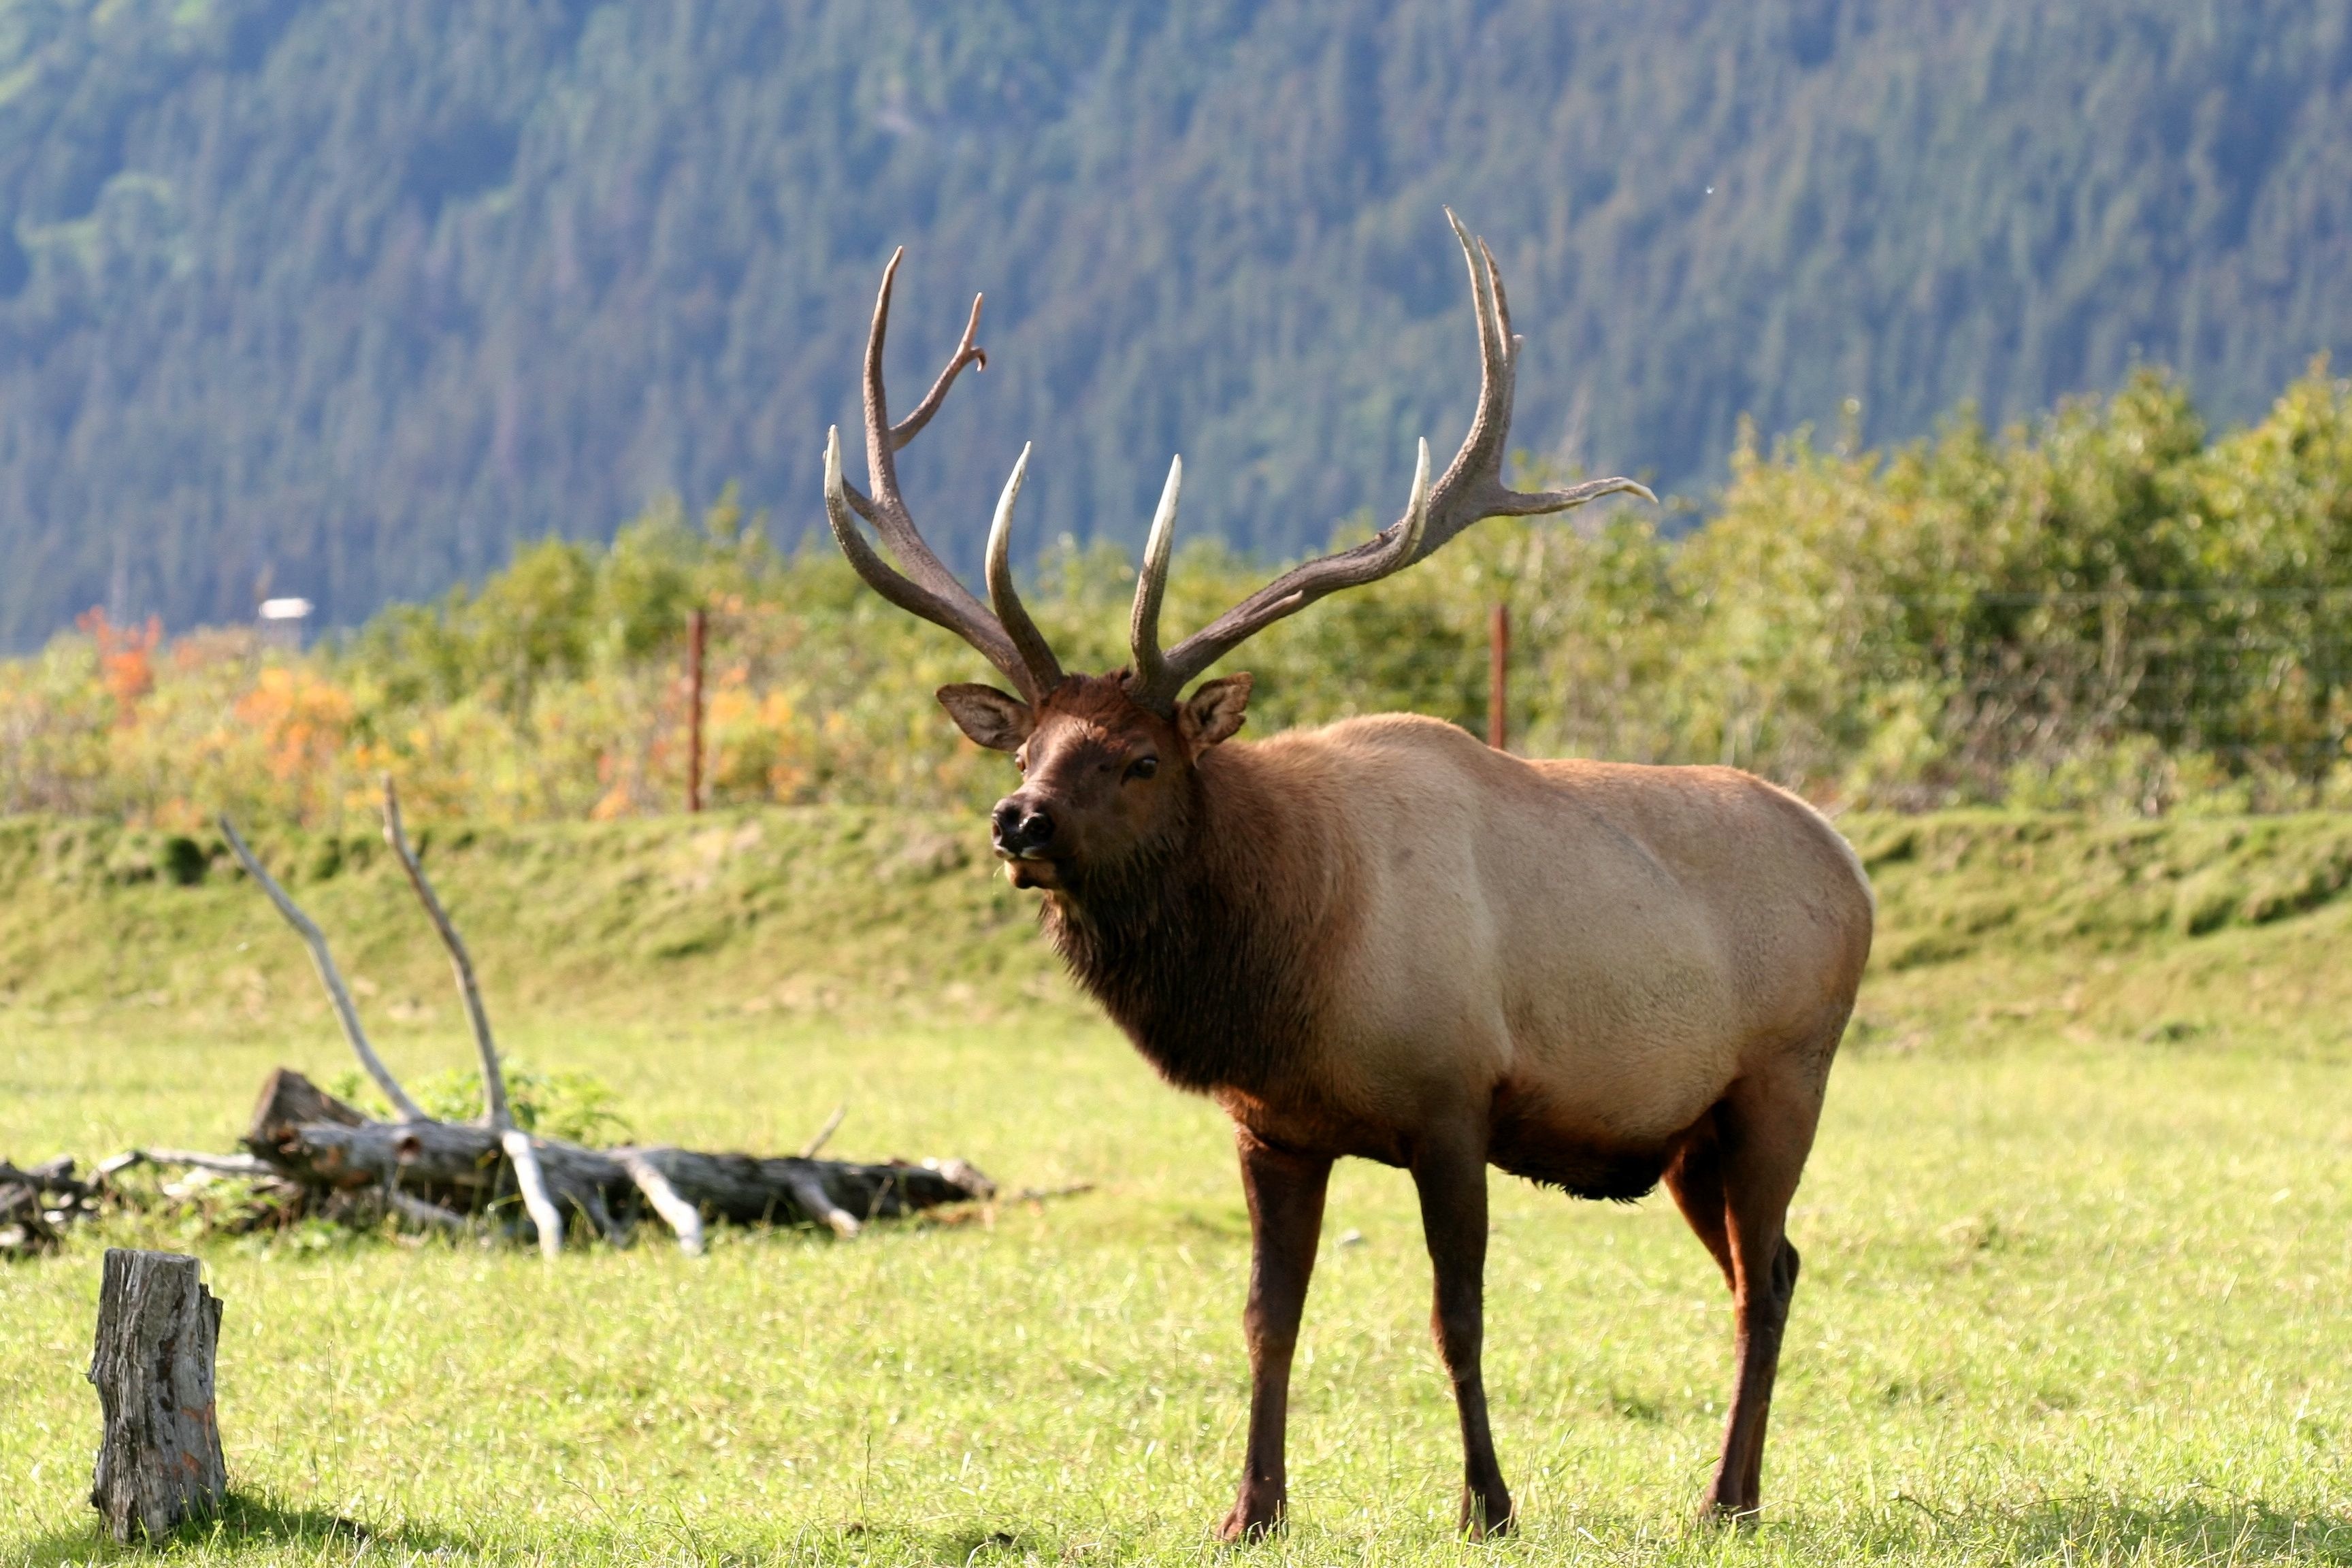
x=126, y=659
x=301, y=718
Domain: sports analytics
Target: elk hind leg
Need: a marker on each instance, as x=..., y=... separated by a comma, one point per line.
x=1763, y=1132
x=1695, y=1178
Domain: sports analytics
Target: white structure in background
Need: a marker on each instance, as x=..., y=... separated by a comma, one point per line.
x=282, y=621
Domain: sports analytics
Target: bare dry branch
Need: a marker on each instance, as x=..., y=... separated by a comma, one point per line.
x=423, y=1213
x=345, y=1012
x=1039, y=1194
x=682, y=1217
x=536, y=1199
x=825, y=1132
x=494, y=1080
x=219, y=1165
x=810, y=1194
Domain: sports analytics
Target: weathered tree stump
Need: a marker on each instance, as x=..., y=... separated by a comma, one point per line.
x=160, y=1460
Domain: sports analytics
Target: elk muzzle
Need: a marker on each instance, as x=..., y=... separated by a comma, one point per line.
x=1022, y=829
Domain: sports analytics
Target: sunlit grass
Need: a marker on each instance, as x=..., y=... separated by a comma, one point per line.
x=2074, y=1291
x=2058, y=1299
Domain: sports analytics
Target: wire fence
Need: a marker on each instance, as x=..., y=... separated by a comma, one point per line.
x=1929, y=700
x=2147, y=700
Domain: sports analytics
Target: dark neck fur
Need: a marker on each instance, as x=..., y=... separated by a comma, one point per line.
x=1200, y=947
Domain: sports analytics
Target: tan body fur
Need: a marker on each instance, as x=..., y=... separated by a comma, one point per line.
x=1589, y=952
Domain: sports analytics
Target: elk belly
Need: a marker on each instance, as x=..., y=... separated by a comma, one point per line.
x=1584, y=1170
x=1531, y=1135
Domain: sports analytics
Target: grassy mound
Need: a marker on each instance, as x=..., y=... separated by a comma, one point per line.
x=1990, y=924
x=869, y=914
x=1964, y=882
x=810, y=911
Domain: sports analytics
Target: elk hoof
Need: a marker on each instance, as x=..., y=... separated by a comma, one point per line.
x=1255, y=1516
x=1718, y=1514
x=1488, y=1518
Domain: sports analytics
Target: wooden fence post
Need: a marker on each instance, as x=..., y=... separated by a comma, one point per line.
x=1498, y=677
x=697, y=631
x=158, y=1460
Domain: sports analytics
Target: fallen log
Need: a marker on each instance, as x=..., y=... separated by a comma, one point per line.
x=310, y=1155
x=37, y=1205
x=310, y=1137
x=750, y=1189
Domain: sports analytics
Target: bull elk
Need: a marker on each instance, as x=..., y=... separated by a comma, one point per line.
x=1382, y=939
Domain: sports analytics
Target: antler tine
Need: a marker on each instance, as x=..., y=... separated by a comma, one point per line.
x=926, y=587
x=1390, y=551
x=1415, y=525
x=1472, y=488
x=1509, y=502
x=1035, y=653
x=976, y=626
x=968, y=352
x=1490, y=424
x=1501, y=301
x=1151, y=678
x=886, y=510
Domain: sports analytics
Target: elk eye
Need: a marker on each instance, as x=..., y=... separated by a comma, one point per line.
x=1142, y=767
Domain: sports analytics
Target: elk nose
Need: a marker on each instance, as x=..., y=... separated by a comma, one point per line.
x=1020, y=828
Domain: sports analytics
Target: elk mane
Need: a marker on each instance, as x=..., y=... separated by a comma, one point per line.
x=1202, y=944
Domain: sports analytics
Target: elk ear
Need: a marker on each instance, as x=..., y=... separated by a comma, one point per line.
x=1213, y=711
x=987, y=715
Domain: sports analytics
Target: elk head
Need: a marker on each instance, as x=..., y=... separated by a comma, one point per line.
x=1111, y=765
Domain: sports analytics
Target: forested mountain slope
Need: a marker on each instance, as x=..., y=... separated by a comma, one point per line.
x=359, y=292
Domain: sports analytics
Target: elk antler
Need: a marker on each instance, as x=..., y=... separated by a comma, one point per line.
x=1471, y=489
x=1008, y=639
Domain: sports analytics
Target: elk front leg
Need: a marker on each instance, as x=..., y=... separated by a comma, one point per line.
x=1285, y=1206
x=1451, y=1180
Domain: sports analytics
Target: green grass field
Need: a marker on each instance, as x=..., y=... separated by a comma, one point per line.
x=2078, y=1232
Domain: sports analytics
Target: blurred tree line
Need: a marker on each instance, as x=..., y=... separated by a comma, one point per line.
x=2102, y=608
x=363, y=294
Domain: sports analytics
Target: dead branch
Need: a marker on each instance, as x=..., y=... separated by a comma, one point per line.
x=1039, y=1194
x=37, y=1205
x=682, y=1217
x=494, y=1080
x=814, y=1199
x=537, y=1200
x=832, y=1125
x=316, y=940
x=424, y=1212
x=218, y=1165
x=539, y=1195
